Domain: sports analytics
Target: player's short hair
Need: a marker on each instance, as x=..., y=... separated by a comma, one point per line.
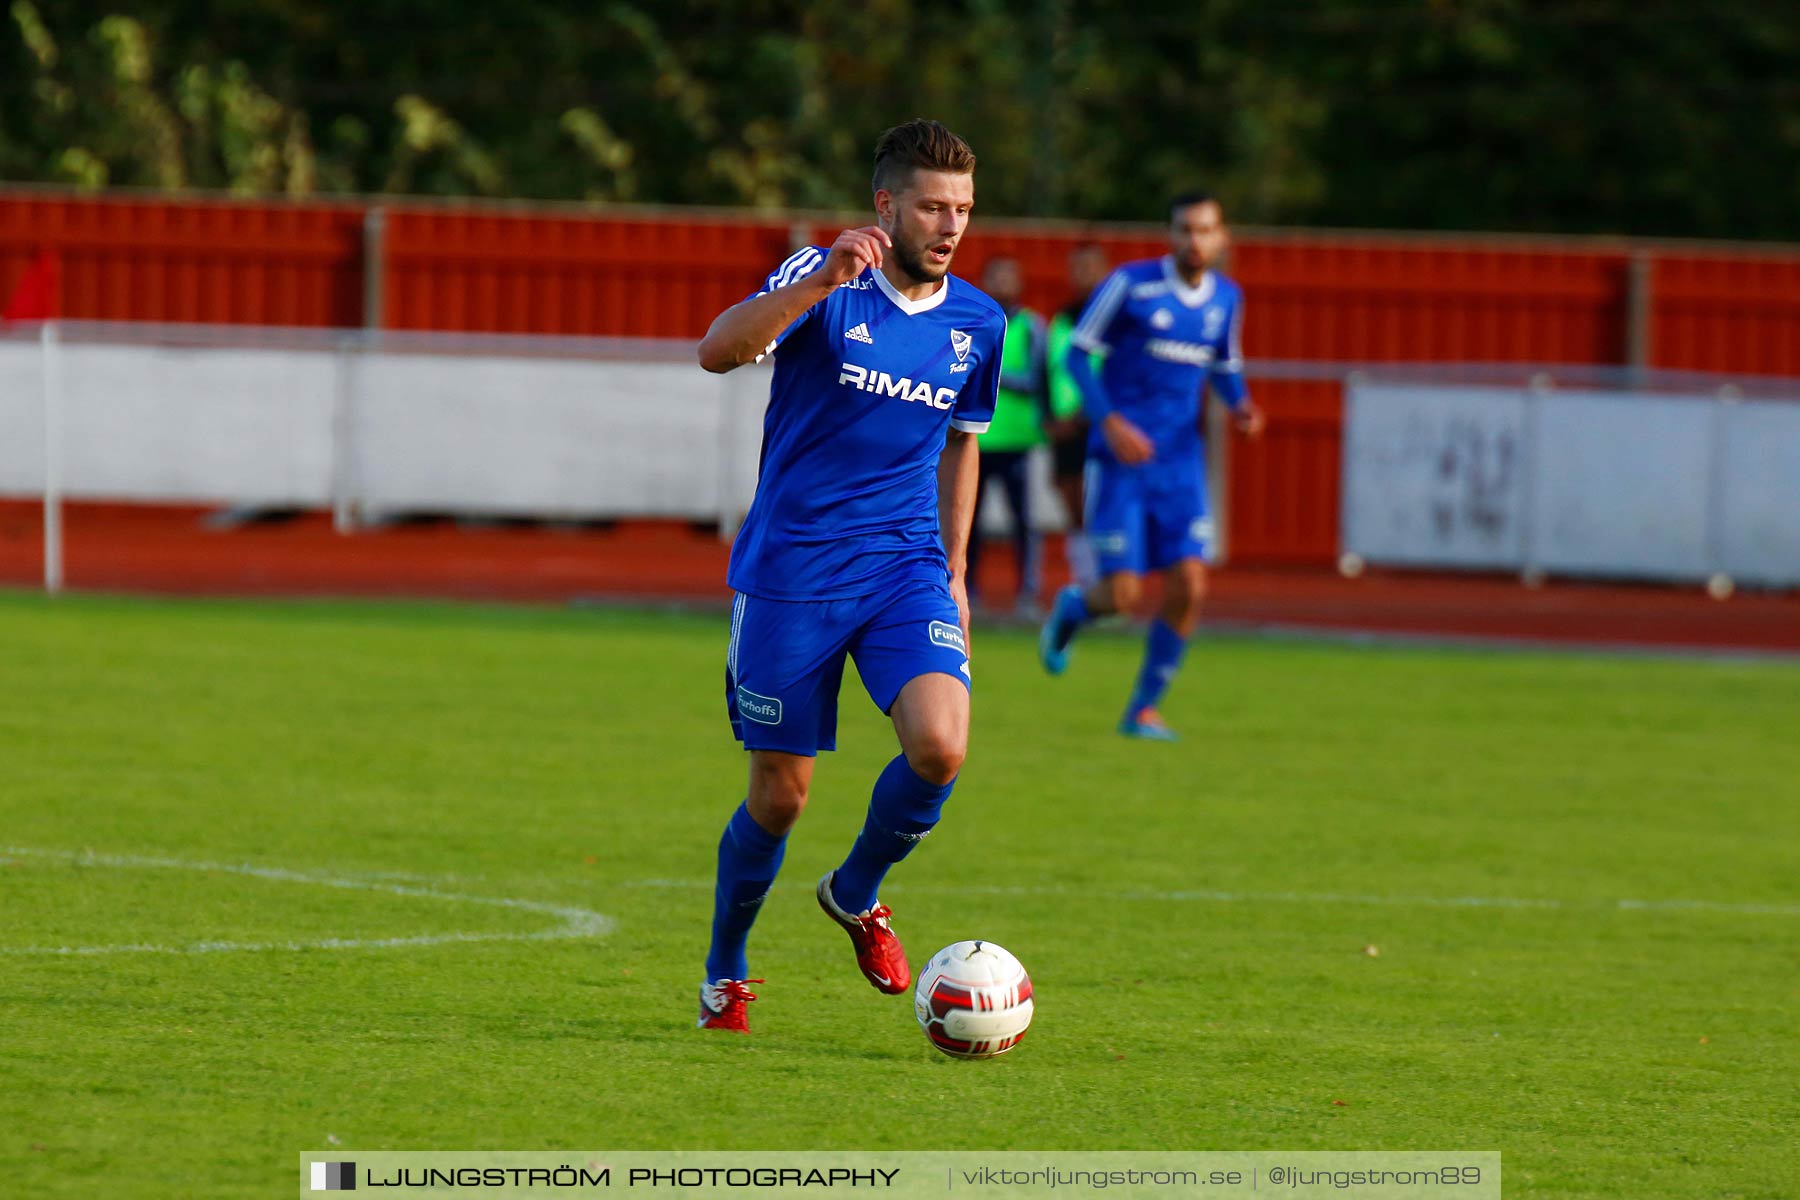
x=1188, y=200
x=918, y=145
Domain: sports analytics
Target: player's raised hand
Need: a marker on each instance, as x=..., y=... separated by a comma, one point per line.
x=854, y=250
x=1128, y=443
x=1250, y=420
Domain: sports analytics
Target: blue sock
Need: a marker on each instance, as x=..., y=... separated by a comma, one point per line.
x=1078, y=612
x=1162, y=658
x=902, y=810
x=749, y=858
x=1071, y=613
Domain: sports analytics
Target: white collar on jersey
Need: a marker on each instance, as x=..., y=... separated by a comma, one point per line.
x=1194, y=296
x=911, y=308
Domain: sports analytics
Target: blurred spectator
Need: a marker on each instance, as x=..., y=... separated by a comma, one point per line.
x=1067, y=427
x=1017, y=428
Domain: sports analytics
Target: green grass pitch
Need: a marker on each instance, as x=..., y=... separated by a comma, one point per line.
x=1579, y=873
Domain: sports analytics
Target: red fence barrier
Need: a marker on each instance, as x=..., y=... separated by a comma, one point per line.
x=1716, y=312
x=1283, y=497
x=200, y=261
x=1319, y=298
x=1323, y=296
x=534, y=273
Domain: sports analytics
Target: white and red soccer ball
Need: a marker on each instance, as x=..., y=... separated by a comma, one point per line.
x=973, y=1000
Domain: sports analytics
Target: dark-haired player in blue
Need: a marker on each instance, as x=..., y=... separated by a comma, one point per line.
x=886, y=367
x=1167, y=328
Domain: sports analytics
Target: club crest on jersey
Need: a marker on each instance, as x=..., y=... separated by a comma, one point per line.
x=883, y=384
x=960, y=342
x=1211, y=321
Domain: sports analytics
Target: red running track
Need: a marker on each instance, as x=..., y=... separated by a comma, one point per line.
x=171, y=550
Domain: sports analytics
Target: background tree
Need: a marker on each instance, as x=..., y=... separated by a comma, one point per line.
x=1649, y=117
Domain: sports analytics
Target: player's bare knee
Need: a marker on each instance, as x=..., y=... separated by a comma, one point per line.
x=1126, y=591
x=937, y=756
x=778, y=793
x=935, y=766
x=777, y=808
x=1184, y=586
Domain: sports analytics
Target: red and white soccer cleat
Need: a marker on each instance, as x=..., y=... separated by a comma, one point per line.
x=879, y=954
x=722, y=1005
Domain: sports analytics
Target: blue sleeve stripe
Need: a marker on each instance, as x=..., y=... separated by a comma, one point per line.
x=799, y=263
x=802, y=265
x=1092, y=330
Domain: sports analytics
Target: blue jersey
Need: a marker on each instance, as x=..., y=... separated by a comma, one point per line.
x=1163, y=341
x=867, y=385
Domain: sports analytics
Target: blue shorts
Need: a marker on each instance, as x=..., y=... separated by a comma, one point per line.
x=1145, y=518
x=785, y=663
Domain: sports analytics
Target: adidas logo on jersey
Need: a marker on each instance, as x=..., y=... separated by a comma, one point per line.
x=860, y=334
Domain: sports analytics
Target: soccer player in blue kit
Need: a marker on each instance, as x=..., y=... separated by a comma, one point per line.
x=886, y=369
x=1162, y=330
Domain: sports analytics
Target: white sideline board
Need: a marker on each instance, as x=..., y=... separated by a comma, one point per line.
x=478, y=433
x=1591, y=483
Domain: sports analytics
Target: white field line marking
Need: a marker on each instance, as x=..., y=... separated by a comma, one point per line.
x=1715, y=906
x=573, y=922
